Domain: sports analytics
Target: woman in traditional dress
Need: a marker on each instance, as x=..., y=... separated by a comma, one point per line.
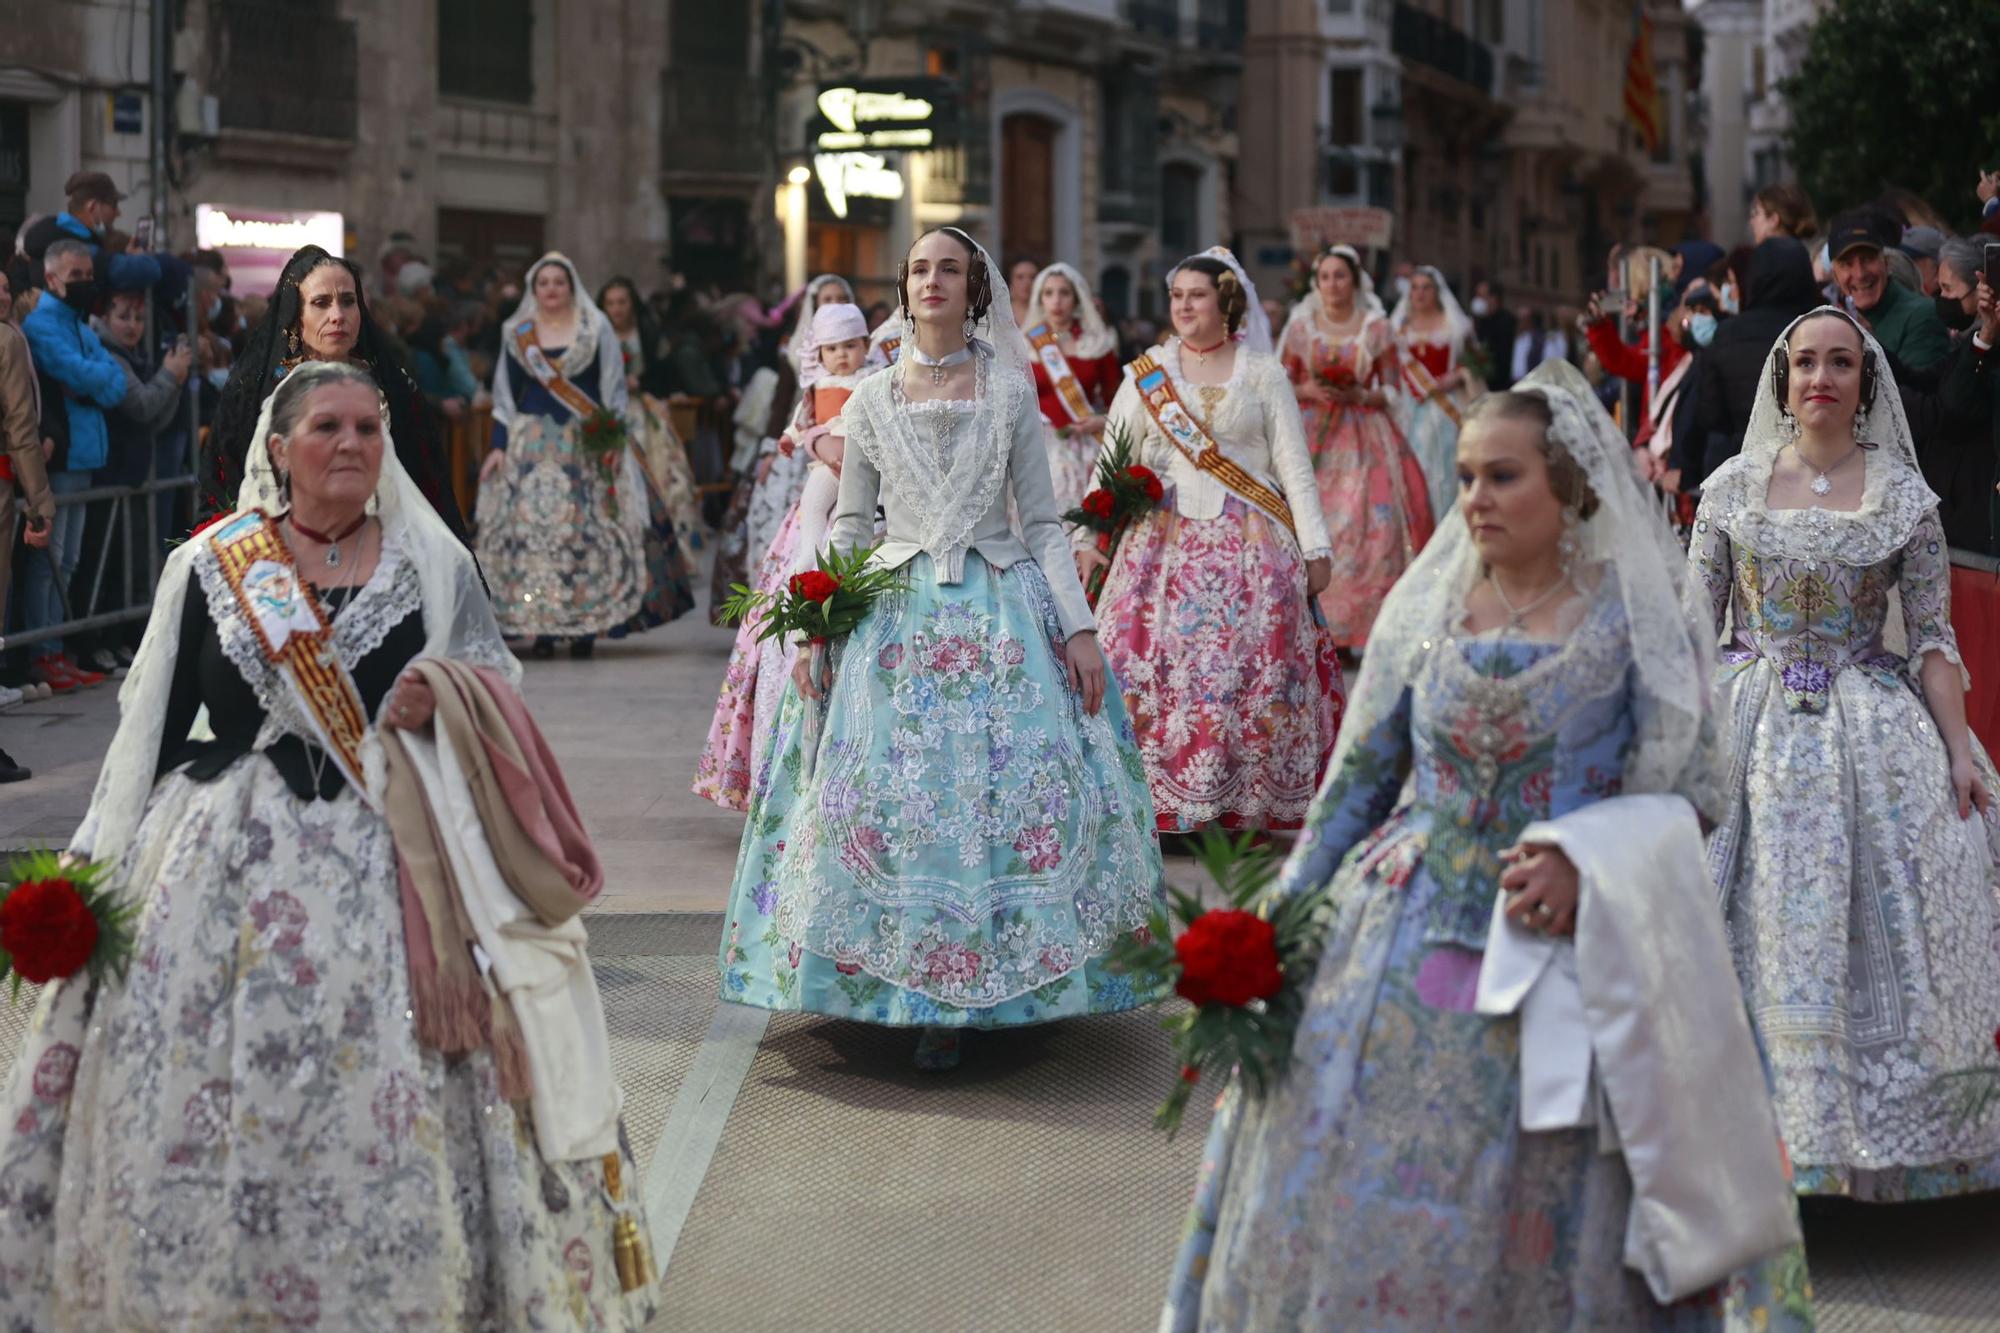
x=966, y=833
x=1075, y=358
x=1340, y=352
x=251, y=1130
x=572, y=545
x=1232, y=684
x=833, y=355
x=1432, y=335
x=1856, y=853
x=1416, y=1166
x=646, y=416
x=319, y=313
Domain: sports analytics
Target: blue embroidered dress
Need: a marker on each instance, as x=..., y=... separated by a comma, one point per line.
x=573, y=546
x=1386, y=1184
x=959, y=843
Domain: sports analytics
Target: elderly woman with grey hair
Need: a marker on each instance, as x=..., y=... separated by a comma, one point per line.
x=1955, y=411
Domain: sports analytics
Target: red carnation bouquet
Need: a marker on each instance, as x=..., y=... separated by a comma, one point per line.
x=601, y=438
x=57, y=919
x=816, y=604
x=1126, y=492
x=1242, y=967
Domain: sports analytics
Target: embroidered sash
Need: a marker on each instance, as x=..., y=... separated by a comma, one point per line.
x=1163, y=404
x=1048, y=349
x=529, y=344
x=1425, y=386
x=296, y=637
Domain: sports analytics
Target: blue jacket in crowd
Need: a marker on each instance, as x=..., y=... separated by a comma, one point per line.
x=91, y=379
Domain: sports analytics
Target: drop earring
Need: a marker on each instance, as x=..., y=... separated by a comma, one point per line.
x=1569, y=546
x=1788, y=427
x=292, y=341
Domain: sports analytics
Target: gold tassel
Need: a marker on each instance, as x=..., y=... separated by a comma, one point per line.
x=629, y=1252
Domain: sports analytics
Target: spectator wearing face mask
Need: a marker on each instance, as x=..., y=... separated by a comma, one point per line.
x=90, y=380
x=1662, y=437
x=1922, y=245
x=1955, y=414
x=1778, y=287
x=1901, y=319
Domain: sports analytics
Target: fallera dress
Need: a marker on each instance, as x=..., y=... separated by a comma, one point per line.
x=246, y=1133
x=1233, y=687
x=1435, y=412
x=1371, y=487
x=1861, y=908
x=1386, y=1182
x=959, y=844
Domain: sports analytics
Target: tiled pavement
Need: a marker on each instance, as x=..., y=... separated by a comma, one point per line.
x=801, y=1171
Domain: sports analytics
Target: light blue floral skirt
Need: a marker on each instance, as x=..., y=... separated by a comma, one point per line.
x=948, y=839
x=1386, y=1183
x=1434, y=440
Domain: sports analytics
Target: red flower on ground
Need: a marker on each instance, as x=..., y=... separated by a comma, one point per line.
x=1146, y=477
x=1098, y=504
x=815, y=585
x=48, y=929
x=1228, y=957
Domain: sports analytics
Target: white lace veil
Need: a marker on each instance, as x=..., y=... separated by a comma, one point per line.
x=1304, y=308
x=1096, y=340
x=952, y=499
x=1673, y=651
x=458, y=620
x=1454, y=315
x=1255, y=332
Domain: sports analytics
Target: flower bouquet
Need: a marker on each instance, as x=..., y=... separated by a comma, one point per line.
x=1126, y=492
x=1474, y=360
x=1243, y=968
x=814, y=606
x=601, y=438
x=57, y=919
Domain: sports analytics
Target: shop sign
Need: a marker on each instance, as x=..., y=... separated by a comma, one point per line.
x=848, y=176
x=257, y=242
x=1314, y=229
x=878, y=114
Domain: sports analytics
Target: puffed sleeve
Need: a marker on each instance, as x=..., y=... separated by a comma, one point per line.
x=1357, y=797
x=1286, y=431
x=1925, y=585
x=1711, y=566
x=1041, y=525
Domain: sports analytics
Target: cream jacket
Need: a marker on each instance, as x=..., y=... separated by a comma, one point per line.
x=1257, y=425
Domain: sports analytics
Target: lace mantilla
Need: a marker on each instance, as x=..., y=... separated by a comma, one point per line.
x=909, y=442
x=392, y=594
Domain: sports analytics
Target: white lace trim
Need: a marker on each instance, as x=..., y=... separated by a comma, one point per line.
x=948, y=477
x=1894, y=500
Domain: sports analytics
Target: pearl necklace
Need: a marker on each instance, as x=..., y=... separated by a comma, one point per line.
x=1517, y=616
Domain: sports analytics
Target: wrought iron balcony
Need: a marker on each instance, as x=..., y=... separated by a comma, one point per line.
x=1430, y=41
x=285, y=69
x=712, y=121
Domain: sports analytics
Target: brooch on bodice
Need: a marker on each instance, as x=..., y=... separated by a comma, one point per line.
x=1490, y=739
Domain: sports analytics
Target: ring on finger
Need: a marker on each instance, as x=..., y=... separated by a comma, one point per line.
x=1544, y=913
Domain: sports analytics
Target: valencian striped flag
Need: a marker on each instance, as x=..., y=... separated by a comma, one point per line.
x=1642, y=89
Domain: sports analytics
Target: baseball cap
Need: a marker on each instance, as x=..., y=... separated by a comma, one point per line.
x=1859, y=229
x=1922, y=242
x=91, y=185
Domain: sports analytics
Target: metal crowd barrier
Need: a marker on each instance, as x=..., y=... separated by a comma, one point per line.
x=81, y=606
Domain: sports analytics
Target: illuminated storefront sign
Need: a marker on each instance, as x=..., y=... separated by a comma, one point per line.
x=874, y=115
x=845, y=176
x=257, y=242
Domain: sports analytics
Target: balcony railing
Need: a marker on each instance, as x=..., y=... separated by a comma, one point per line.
x=286, y=69
x=712, y=120
x=1436, y=44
